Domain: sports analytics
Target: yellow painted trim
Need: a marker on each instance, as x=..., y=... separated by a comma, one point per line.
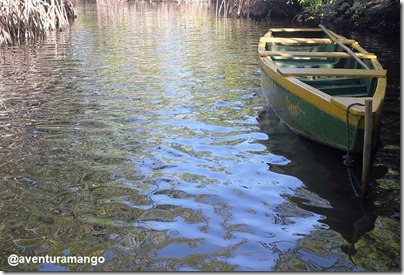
x=295, y=30
x=322, y=100
x=331, y=72
x=343, y=102
x=298, y=40
x=331, y=105
x=291, y=54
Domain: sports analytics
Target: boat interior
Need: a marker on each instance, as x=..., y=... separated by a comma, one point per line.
x=313, y=57
x=344, y=86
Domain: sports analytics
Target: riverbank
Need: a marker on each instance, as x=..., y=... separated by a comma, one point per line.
x=381, y=16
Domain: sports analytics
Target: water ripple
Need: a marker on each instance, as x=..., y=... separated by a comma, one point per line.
x=136, y=136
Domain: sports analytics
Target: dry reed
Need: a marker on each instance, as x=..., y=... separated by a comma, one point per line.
x=22, y=20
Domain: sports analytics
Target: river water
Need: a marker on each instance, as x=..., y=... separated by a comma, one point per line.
x=140, y=135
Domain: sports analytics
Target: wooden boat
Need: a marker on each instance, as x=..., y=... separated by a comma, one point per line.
x=314, y=79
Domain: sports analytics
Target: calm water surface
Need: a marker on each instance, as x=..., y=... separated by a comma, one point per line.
x=140, y=136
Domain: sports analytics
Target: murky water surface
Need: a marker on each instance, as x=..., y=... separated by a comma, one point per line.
x=140, y=136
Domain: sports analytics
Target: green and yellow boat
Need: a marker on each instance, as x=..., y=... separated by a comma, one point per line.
x=317, y=82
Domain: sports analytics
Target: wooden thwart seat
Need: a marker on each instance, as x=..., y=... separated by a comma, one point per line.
x=331, y=72
x=343, y=102
x=292, y=54
x=345, y=90
x=332, y=81
x=299, y=40
x=296, y=30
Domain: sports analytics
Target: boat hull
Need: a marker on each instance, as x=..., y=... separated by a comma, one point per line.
x=318, y=82
x=310, y=121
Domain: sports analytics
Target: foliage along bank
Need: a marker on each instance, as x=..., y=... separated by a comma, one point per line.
x=375, y=15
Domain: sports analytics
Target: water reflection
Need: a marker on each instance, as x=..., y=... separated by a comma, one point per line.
x=322, y=171
x=135, y=137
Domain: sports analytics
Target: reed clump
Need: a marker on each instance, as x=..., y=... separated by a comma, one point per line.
x=22, y=20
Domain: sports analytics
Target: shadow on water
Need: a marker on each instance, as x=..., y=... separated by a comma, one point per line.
x=322, y=171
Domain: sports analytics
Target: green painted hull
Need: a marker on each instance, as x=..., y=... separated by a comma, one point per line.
x=308, y=120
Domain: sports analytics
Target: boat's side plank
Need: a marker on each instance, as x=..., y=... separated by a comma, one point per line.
x=291, y=54
x=299, y=40
x=331, y=72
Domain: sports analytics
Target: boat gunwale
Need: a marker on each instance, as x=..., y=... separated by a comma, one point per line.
x=330, y=104
x=335, y=106
x=354, y=120
x=267, y=61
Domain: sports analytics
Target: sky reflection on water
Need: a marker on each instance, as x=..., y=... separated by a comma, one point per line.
x=140, y=136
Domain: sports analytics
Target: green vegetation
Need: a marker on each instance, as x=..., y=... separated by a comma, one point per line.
x=302, y=10
x=311, y=9
x=314, y=4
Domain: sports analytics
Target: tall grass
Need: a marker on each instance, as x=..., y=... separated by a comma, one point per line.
x=22, y=20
